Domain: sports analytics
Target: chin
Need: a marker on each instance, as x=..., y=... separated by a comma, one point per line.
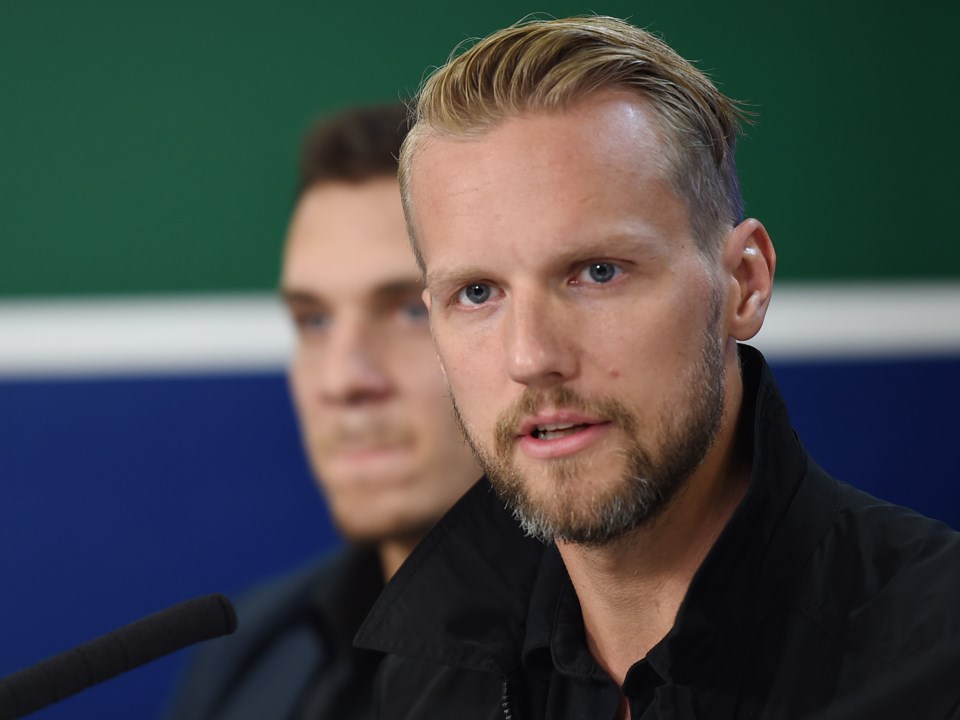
x=572, y=482
x=376, y=529
x=574, y=502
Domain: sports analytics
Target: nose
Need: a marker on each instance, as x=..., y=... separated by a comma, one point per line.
x=353, y=370
x=540, y=344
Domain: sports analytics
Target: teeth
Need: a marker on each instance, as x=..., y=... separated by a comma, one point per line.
x=555, y=430
x=555, y=426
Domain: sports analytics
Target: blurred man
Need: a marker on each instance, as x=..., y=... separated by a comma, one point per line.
x=376, y=423
x=571, y=192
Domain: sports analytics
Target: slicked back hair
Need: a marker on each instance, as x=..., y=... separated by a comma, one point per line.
x=548, y=65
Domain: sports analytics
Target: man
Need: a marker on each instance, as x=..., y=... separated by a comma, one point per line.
x=670, y=550
x=376, y=423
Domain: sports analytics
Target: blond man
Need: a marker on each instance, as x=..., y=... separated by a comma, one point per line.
x=668, y=549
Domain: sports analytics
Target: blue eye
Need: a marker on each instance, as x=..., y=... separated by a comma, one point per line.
x=599, y=272
x=312, y=322
x=475, y=294
x=415, y=310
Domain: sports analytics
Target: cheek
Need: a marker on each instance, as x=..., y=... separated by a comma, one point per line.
x=417, y=369
x=470, y=375
x=449, y=355
x=302, y=382
x=621, y=343
x=298, y=380
x=424, y=390
x=639, y=350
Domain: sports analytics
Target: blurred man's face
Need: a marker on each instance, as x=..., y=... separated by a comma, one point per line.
x=374, y=410
x=578, y=324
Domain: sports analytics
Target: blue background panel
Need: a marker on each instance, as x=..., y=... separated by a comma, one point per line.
x=124, y=496
x=888, y=427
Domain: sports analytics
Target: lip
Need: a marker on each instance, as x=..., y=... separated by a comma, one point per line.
x=367, y=453
x=557, y=417
x=565, y=446
x=595, y=428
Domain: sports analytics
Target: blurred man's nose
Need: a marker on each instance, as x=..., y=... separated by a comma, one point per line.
x=353, y=369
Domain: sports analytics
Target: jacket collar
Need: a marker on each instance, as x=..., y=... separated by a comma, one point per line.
x=788, y=509
x=461, y=598
x=340, y=598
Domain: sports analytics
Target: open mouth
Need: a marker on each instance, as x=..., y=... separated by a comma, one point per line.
x=555, y=431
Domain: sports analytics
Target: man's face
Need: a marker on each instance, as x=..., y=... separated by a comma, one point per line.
x=579, y=326
x=374, y=410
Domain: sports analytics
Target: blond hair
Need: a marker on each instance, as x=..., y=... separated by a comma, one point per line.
x=548, y=65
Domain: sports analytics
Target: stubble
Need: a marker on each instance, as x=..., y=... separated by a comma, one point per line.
x=656, y=464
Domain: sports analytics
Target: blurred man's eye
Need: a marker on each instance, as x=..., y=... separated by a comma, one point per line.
x=311, y=321
x=414, y=310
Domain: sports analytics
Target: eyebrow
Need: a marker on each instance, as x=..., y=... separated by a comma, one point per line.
x=609, y=245
x=390, y=290
x=398, y=289
x=454, y=278
x=300, y=297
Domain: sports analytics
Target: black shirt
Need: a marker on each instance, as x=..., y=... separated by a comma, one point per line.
x=339, y=603
x=816, y=600
x=555, y=649
x=292, y=656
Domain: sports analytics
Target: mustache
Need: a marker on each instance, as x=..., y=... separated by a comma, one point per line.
x=364, y=433
x=561, y=398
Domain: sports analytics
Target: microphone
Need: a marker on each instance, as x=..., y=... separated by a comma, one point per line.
x=109, y=655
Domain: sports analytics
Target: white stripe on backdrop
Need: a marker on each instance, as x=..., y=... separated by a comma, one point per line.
x=250, y=333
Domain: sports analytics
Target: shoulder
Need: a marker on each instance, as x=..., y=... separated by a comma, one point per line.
x=261, y=606
x=274, y=626
x=870, y=626
x=886, y=578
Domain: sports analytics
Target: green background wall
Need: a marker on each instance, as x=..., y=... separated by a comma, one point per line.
x=151, y=147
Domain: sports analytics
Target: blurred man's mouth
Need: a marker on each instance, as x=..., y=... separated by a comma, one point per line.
x=371, y=467
x=370, y=446
x=361, y=453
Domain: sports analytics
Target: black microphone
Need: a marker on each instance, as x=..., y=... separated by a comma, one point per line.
x=107, y=656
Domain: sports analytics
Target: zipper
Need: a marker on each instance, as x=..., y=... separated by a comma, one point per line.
x=505, y=701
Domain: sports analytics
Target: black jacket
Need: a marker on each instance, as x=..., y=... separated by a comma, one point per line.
x=291, y=656
x=817, y=600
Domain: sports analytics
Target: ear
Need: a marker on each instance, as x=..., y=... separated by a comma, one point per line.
x=749, y=262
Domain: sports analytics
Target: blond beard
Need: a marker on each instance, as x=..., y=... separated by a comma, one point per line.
x=651, y=478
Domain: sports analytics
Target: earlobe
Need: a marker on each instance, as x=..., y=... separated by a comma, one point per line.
x=750, y=261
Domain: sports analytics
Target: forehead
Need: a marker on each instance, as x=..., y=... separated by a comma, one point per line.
x=347, y=239
x=545, y=175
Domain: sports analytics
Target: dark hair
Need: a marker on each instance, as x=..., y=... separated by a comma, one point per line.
x=354, y=145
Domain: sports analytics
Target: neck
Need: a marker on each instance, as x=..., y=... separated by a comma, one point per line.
x=394, y=551
x=631, y=589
